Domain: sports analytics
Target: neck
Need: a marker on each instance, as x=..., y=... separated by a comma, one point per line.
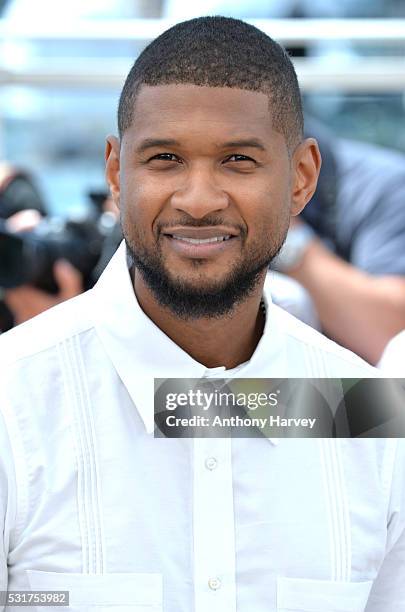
x=227, y=341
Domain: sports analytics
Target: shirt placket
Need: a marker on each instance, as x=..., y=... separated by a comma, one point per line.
x=214, y=531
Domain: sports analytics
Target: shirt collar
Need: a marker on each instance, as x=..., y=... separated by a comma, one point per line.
x=140, y=351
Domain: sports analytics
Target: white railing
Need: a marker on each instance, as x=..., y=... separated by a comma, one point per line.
x=287, y=31
x=348, y=73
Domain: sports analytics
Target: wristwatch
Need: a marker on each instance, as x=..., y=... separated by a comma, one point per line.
x=293, y=249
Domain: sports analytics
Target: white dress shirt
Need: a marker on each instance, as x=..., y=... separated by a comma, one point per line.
x=92, y=503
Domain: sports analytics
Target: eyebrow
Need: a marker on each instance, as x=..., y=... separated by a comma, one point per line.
x=150, y=143
x=254, y=143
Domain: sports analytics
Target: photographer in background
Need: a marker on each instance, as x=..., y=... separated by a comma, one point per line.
x=26, y=301
x=22, y=209
x=22, y=206
x=347, y=247
x=46, y=260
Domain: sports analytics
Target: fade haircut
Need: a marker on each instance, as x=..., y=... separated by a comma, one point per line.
x=219, y=52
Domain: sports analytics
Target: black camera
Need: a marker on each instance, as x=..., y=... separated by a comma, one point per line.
x=28, y=257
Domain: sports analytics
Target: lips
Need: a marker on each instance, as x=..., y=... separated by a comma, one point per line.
x=199, y=242
x=218, y=232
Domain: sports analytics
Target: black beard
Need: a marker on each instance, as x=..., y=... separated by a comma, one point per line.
x=187, y=302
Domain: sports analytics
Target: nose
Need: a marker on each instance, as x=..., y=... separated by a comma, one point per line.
x=199, y=195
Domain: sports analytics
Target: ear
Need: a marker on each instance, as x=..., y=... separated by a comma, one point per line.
x=112, y=167
x=307, y=164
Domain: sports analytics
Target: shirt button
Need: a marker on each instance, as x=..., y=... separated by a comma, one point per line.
x=211, y=463
x=214, y=584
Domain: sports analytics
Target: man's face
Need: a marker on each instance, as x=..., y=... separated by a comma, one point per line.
x=205, y=188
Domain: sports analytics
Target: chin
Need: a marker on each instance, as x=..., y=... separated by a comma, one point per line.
x=199, y=283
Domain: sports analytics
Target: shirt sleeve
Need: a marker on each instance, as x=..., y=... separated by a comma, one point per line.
x=371, y=208
x=378, y=246
x=388, y=592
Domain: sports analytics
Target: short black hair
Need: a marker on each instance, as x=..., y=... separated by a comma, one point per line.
x=219, y=52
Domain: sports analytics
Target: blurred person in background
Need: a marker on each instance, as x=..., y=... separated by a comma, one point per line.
x=22, y=210
x=347, y=247
x=22, y=303
x=18, y=192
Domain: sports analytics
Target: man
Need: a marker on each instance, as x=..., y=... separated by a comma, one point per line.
x=209, y=166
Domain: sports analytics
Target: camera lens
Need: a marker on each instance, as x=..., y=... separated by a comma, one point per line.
x=11, y=261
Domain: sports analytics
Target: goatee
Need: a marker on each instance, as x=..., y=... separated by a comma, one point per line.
x=211, y=300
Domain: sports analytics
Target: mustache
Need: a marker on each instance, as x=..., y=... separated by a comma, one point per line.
x=205, y=222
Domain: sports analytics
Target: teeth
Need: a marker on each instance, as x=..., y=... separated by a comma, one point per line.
x=203, y=240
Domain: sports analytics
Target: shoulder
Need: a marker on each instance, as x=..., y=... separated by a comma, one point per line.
x=34, y=378
x=46, y=330
x=317, y=353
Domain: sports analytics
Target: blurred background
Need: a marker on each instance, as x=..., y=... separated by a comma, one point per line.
x=62, y=66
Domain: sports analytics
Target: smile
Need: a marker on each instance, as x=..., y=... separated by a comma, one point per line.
x=201, y=240
x=200, y=248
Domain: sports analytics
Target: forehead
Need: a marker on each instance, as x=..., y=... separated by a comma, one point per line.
x=225, y=111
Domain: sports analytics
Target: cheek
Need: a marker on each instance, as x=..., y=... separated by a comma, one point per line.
x=141, y=202
x=268, y=205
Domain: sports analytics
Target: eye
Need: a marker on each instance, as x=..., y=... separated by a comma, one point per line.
x=239, y=158
x=171, y=157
